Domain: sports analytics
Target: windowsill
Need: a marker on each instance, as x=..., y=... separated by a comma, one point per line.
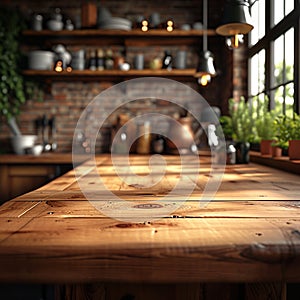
x=282, y=163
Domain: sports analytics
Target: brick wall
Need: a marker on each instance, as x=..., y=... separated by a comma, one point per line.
x=66, y=100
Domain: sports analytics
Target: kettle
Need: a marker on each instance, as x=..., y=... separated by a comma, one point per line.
x=181, y=137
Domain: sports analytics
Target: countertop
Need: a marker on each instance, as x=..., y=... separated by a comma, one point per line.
x=248, y=232
x=44, y=158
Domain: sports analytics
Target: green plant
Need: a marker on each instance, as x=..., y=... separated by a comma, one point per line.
x=293, y=127
x=265, y=121
x=14, y=89
x=281, y=130
x=242, y=121
x=226, y=125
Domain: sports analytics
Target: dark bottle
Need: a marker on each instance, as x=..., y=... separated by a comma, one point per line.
x=93, y=61
x=167, y=60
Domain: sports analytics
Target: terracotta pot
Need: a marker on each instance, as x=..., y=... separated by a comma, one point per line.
x=294, y=149
x=276, y=151
x=266, y=147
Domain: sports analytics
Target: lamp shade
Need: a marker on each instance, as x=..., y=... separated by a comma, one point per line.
x=205, y=65
x=236, y=18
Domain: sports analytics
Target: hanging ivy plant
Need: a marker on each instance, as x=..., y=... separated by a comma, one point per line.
x=14, y=89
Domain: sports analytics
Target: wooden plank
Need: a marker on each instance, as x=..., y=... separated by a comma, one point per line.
x=262, y=291
x=177, y=250
x=9, y=226
x=18, y=209
x=78, y=208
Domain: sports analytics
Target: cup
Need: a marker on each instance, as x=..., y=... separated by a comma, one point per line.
x=139, y=62
x=180, y=60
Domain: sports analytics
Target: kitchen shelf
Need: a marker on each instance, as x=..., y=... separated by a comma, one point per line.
x=109, y=36
x=116, y=33
x=185, y=74
x=105, y=37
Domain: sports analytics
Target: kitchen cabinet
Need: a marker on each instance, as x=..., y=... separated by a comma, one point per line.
x=17, y=179
x=98, y=37
x=20, y=174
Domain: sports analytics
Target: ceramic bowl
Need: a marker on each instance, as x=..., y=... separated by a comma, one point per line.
x=20, y=143
x=55, y=25
x=40, y=60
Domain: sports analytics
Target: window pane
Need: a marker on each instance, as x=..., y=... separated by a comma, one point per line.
x=289, y=6
x=289, y=54
x=289, y=99
x=261, y=70
x=278, y=61
x=258, y=19
x=278, y=10
x=278, y=97
x=257, y=73
x=253, y=75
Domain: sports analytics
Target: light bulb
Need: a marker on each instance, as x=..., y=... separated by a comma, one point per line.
x=234, y=41
x=144, y=25
x=204, y=79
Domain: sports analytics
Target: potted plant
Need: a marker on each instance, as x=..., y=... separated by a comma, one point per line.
x=265, y=127
x=242, y=126
x=293, y=127
x=281, y=135
x=14, y=89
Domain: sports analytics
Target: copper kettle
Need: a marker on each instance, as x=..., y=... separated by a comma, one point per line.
x=181, y=137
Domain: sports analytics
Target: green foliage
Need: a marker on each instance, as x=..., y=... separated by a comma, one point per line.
x=242, y=121
x=265, y=121
x=293, y=127
x=282, y=134
x=14, y=90
x=226, y=124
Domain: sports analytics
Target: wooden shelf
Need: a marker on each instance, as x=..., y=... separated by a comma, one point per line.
x=118, y=33
x=134, y=37
x=111, y=74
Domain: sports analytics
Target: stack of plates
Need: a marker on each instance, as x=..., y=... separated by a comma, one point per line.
x=116, y=23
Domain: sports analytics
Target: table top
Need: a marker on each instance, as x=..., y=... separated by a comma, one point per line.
x=248, y=232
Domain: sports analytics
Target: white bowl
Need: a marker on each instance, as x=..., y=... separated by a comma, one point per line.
x=22, y=142
x=55, y=25
x=40, y=60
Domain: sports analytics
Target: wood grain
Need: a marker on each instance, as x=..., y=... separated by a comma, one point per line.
x=250, y=231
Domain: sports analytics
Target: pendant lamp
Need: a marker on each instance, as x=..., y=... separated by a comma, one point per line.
x=205, y=69
x=236, y=22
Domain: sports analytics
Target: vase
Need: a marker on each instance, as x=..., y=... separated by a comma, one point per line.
x=242, y=152
x=294, y=149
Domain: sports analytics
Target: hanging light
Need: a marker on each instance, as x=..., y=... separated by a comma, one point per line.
x=205, y=69
x=235, y=23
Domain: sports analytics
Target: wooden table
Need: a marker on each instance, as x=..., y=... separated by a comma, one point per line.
x=249, y=233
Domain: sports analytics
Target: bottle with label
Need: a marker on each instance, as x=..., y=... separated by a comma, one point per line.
x=109, y=61
x=100, y=60
x=92, y=61
x=167, y=60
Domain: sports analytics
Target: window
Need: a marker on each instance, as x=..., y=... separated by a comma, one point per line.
x=274, y=55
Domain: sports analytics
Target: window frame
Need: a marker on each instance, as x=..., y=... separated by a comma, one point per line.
x=272, y=32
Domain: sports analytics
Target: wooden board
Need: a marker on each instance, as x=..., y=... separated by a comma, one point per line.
x=249, y=232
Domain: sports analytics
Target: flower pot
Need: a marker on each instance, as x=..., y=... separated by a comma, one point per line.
x=276, y=151
x=266, y=147
x=242, y=152
x=294, y=149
